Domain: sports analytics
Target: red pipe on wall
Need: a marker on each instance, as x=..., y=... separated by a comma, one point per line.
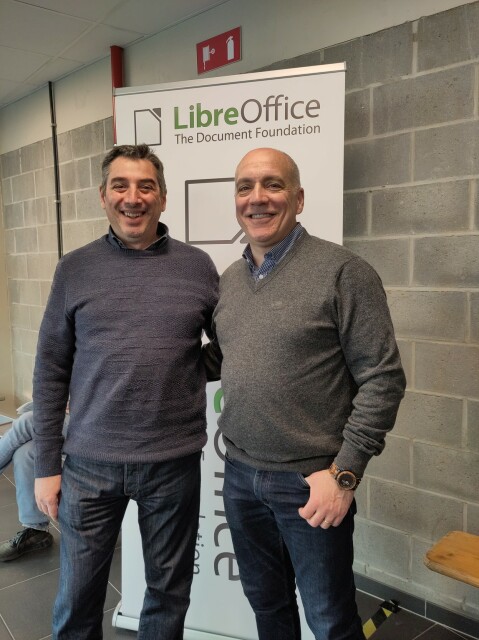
x=116, y=59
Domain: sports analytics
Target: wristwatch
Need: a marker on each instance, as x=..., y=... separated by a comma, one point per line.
x=346, y=479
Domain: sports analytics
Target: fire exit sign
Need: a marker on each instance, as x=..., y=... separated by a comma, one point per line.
x=219, y=50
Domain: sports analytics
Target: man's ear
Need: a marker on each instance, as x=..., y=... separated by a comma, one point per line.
x=300, y=202
x=102, y=197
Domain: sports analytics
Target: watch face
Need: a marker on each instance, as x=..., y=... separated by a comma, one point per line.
x=346, y=480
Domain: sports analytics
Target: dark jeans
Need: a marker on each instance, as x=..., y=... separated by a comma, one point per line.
x=275, y=548
x=93, y=502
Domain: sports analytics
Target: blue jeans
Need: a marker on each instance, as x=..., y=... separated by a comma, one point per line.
x=276, y=548
x=17, y=446
x=19, y=433
x=93, y=502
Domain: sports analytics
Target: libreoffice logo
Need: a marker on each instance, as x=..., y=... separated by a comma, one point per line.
x=148, y=126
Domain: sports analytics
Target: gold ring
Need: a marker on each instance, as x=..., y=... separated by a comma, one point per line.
x=327, y=522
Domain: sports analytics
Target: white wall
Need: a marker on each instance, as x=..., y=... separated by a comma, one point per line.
x=272, y=30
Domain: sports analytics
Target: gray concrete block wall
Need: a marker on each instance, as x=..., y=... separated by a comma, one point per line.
x=29, y=220
x=411, y=210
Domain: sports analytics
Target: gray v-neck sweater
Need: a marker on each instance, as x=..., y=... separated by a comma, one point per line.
x=311, y=371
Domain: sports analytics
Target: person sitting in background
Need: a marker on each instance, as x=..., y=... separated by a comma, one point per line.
x=16, y=446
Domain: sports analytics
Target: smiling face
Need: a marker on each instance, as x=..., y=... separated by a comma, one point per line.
x=268, y=198
x=133, y=201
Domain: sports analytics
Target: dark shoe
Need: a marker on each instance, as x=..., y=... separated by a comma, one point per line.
x=24, y=541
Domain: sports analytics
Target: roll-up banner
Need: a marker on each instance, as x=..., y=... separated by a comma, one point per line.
x=200, y=130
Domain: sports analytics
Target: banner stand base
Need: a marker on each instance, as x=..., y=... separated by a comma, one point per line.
x=131, y=624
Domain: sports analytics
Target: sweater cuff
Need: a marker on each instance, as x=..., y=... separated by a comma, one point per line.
x=352, y=459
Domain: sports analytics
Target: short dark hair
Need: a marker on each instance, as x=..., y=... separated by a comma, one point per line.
x=134, y=152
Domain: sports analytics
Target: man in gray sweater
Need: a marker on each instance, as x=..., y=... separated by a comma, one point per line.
x=312, y=381
x=121, y=335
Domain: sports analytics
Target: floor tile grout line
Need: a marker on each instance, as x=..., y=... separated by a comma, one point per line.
x=15, y=584
x=6, y=626
x=424, y=632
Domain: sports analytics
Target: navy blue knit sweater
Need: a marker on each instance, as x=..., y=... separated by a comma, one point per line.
x=121, y=336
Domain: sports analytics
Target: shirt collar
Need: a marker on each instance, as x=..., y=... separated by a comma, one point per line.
x=277, y=253
x=161, y=231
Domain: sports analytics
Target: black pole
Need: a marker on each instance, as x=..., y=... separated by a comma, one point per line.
x=56, y=169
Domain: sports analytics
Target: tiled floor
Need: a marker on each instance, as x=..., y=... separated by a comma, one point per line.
x=28, y=586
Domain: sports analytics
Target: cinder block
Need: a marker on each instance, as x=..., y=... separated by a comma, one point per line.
x=311, y=58
x=446, y=471
x=24, y=370
x=76, y=234
x=425, y=100
x=95, y=168
x=36, y=317
x=390, y=258
x=47, y=238
x=108, y=129
x=474, y=317
x=32, y=157
x=29, y=341
x=9, y=241
x=7, y=196
x=13, y=217
x=355, y=212
x=357, y=113
x=387, y=54
x=472, y=517
x=26, y=240
x=447, y=151
x=24, y=291
x=448, y=37
x=375, y=163
x=429, y=418
x=406, y=353
x=100, y=227
x=448, y=369
x=64, y=142
x=10, y=163
x=68, y=207
x=20, y=316
x=349, y=52
x=450, y=261
x=431, y=208
x=361, y=497
x=88, y=140
x=394, y=462
x=44, y=292
x=23, y=187
x=75, y=175
x=413, y=511
x=16, y=266
x=41, y=266
x=36, y=212
x=88, y=204
x=473, y=426
x=435, y=315
x=44, y=182
x=382, y=548
x=475, y=221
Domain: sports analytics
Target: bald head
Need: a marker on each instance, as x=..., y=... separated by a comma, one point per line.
x=268, y=196
x=280, y=157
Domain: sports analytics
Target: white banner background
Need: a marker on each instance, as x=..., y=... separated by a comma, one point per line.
x=301, y=112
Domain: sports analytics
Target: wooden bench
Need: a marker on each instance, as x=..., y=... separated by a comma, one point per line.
x=456, y=555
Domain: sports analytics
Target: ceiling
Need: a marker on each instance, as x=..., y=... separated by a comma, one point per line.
x=44, y=40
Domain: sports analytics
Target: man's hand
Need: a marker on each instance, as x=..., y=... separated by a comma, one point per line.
x=47, y=495
x=327, y=504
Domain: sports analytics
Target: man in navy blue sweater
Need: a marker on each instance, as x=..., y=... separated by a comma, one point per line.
x=121, y=336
